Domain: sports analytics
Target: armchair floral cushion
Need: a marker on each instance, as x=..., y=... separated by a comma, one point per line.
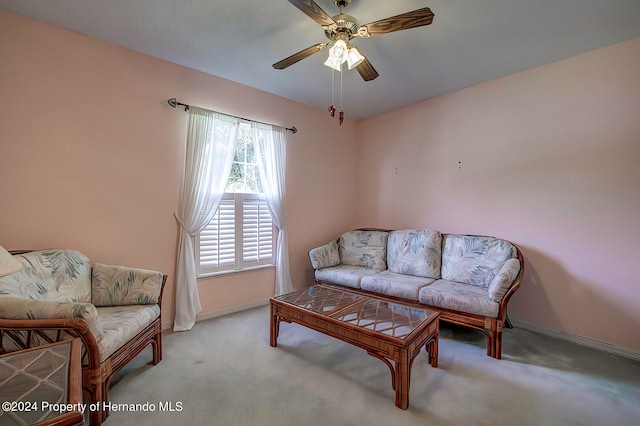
x=53, y=275
x=20, y=308
x=119, y=286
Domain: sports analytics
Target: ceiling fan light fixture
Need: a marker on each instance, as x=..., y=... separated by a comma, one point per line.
x=334, y=63
x=354, y=58
x=339, y=51
x=337, y=55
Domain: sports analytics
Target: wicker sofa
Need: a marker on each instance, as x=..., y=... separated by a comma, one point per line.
x=467, y=278
x=58, y=294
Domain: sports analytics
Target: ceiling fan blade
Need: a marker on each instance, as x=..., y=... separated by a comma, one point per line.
x=300, y=56
x=417, y=18
x=313, y=11
x=366, y=70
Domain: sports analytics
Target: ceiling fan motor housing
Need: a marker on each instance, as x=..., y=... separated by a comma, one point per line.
x=346, y=28
x=341, y=3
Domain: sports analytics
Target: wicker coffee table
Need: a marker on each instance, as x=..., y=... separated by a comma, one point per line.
x=387, y=330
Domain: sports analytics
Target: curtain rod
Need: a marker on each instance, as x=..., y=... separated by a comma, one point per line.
x=174, y=103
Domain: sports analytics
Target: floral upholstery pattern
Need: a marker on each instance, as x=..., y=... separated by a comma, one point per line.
x=325, y=256
x=415, y=252
x=346, y=275
x=61, y=283
x=56, y=275
x=459, y=297
x=121, y=323
x=465, y=276
x=21, y=308
x=392, y=284
x=367, y=249
x=474, y=260
x=119, y=286
x=502, y=282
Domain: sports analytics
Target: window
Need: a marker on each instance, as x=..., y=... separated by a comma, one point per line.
x=241, y=235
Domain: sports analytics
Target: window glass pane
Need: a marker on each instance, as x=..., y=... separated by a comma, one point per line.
x=252, y=179
x=240, y=150
x=236, y=179
x=250, y=150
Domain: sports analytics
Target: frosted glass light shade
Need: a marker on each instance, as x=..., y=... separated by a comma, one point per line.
x=337, y=55
x=333, y=63
x=354, y=58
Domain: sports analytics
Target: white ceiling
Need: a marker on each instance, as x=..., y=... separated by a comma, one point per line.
x=470, y=41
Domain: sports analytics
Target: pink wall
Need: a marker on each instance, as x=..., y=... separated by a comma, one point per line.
x=546, y=158
x=91, y=157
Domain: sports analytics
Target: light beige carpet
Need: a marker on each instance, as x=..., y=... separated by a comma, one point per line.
x=224, y=372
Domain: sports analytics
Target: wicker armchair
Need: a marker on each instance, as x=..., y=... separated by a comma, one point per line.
x=59, y=295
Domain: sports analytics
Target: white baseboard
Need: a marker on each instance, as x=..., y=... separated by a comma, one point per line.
x=584, y=341
x=214, y=314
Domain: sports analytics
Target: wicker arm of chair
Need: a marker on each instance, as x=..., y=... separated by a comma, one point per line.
x=18, y=334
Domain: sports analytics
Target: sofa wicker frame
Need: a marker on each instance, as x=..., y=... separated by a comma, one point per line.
x=96, y=375
x=491, y=327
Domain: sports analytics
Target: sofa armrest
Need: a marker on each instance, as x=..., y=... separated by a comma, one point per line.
x=325, y=256
x=15, y=308
x=504, y=279
x=120, y=285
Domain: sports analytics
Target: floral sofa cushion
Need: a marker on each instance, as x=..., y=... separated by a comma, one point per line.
x=397, y=285
x=415, y=252
x=325, y=256
x=119, y=286
x=474, y=260
x=502, y=282
x=367, y=249
x=346, y=275
x=55, y=275
x=459, y=297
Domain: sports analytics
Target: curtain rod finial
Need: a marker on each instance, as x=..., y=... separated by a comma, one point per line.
x=174, y=103
x=292, y=129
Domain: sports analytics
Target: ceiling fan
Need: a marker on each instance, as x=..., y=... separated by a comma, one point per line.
x=341, y=28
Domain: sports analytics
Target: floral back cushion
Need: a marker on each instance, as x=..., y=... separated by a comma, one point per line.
x=473, y=259
x=119, y=286
x=325, y=256
x=417, y=253
x=367, y=249
x=56, y=275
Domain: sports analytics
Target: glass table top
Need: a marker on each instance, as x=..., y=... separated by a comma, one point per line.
x=378, y=315
x=30, y=377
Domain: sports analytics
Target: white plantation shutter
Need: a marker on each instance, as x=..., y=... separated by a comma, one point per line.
x=257, y=232
x=218, y=239
x=240, y=235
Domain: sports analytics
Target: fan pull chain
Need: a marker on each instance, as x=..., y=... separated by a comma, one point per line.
x=341, y=114
x=332, y=107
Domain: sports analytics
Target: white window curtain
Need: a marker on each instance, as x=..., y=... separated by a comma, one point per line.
x=211, y=143
x=271, y=154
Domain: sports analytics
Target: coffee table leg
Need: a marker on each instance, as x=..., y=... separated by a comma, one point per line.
x=275, y=325
x=432, y=350
x=403, y=374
